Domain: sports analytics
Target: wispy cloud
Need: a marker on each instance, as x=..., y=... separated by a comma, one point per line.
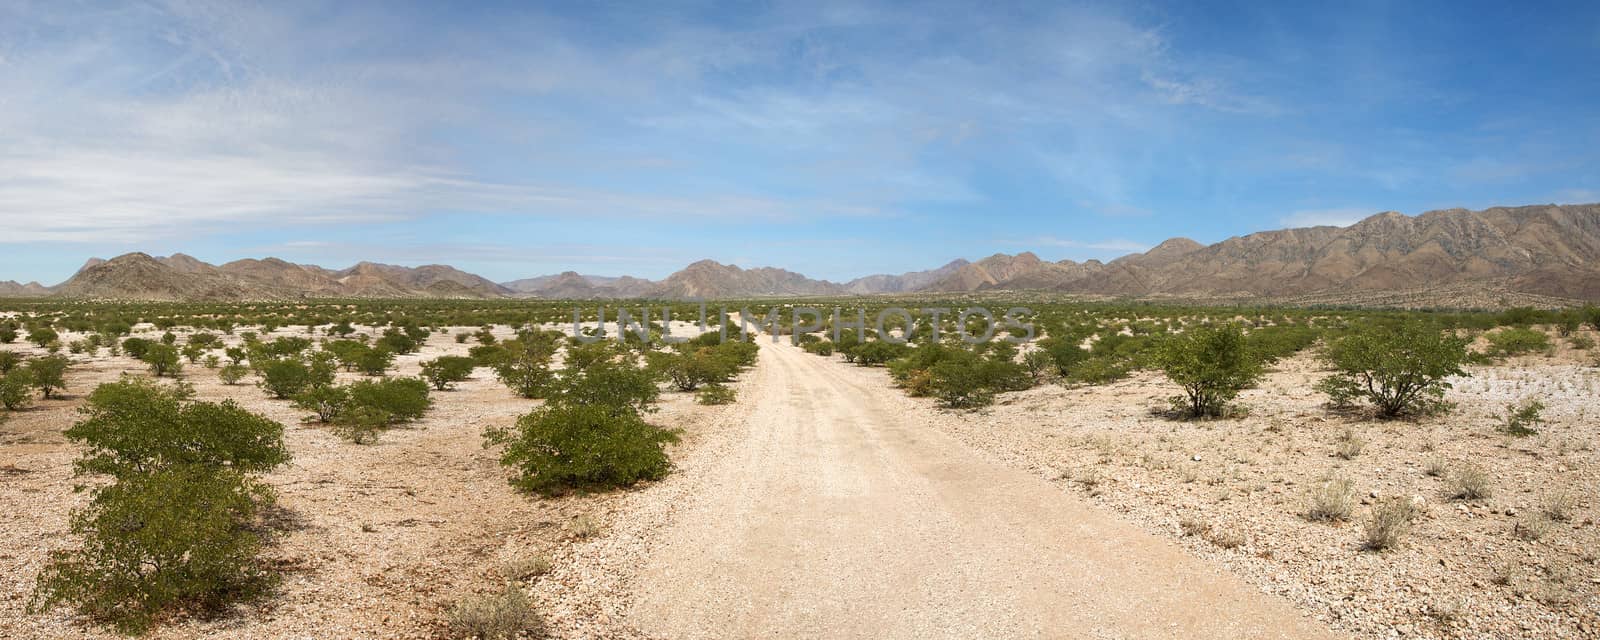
x=1124, y=246
x=1325, y=217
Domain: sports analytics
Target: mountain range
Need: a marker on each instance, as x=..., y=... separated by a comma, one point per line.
x=1542, y=250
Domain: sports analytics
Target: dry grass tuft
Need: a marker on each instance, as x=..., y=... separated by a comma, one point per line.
x=1470, y=482
x=1389, y=521
x=503, y=616
x=1331, y=500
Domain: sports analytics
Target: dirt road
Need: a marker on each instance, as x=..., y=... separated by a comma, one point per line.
x=834, y=515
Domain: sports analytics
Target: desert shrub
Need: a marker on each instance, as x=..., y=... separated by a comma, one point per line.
x=1521, y=418
x=374, y=361
x=398, y=342
x=177, y=538
x=1581, y=343
x=1063, y=352
x=959, y=384
x=169, y=338
x=716, y=394
x=327, y=402
x=1469, y=482
x=686, y=371
x=203, y=339
x=1331, y=500
x=285, y=378
x=136, y=347
x=1212, y=364
x=562, y=447
x=49, y=374
x=444, y=371
x=1097, y=370
x=9, y=360
x=1389, y=521
x=1513, y=341
x=403, y=399
x=135, y=425
x=212, y=361
x=43, y=336
x=176, y=531
x=461, y=338
x=8, y=334
x=361, y=425
x=232, y=374
x=878, y=352
x=1401, y=369
x=507, y=615
x=1271, y=344
x=163, y=360
x=1041, y=365
x=618, y=387
x=16, y=389
x=522, y=364
x=820, y=347
x=285, y=347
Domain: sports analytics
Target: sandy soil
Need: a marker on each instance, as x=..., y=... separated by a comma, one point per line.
x=375, y=541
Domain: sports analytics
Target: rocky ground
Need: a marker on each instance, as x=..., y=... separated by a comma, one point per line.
x=378, y=540
x=375, y=541
x=1237, y=491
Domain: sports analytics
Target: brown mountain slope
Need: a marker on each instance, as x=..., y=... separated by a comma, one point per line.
x=14, y=289
x=137, y=276
x=912, y=281
x=1544, y=249
x=711, y=279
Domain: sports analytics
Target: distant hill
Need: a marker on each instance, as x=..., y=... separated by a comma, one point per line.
x=138, y=276
x=1551, y=250
x=1541, y=252
x=712, y=279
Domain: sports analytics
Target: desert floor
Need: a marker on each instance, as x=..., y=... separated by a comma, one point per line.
x=826, y=503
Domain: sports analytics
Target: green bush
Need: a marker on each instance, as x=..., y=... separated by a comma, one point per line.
x=9, y=360
x=403, y=399
x=444, y=371
x=1212, y=364
x=163, y=360
x=135, y=425
x=136, y=347
x=618, y=387
x=1400, y=368
x=522, y=364
x=716, y=394
x=285, y=378
x=327, y=402
x=559, y=448
x=42, y=337
x=232, y=374
x=1514, y=341
x=8, y=334
x=361, y=425
x=49, y=374
x=819, y=347
x=1520, y=419
x=878, y=353
x=374, y=361
x=176, y=531
x=16, y=389
x=175, y=539
x=1100, y=370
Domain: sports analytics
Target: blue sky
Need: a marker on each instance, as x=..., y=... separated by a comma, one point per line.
x=834, y=139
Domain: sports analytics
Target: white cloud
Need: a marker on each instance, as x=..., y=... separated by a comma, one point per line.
x=1325, y=217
